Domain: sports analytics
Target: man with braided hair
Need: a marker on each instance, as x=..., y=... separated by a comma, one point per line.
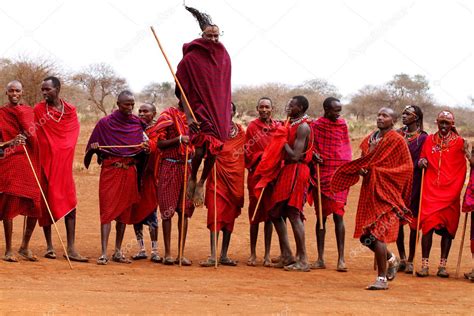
x=204, y=74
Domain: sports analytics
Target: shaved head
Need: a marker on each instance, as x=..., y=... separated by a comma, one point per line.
x=15, y=83
x=390, y=112
x=14, y=92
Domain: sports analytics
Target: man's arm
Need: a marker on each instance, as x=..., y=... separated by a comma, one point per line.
x=302, y=134
x=166, y=143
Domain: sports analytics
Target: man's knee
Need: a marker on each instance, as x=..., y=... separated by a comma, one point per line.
x=368, y=240
x=71, y=215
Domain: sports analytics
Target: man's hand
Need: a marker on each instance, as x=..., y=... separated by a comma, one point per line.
x=95, y=146
x=317, y=158
x=185, y=139
x=195, y=127
x=363, y=172
x=19, y=140
x=423, y=163
x=146, y=147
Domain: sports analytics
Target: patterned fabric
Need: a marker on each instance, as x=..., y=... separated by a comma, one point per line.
x=386, y=189
x=57, y=137
x=468, y=203
x=170, y=124
x=230, y=172
x=20, y=190
x=118, y=190
x=444, y=180
x=205, y=75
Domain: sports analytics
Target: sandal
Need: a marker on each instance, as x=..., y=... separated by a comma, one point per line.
x=168, y=261
x=77, y=257
x=341, y=267
x=379, y=284
x=318, y=264
x=10, y=258
x=210, y=262
x=228, y=262
x=155, y=257
x=28, y=255
x=184, y=262
x=297, y=267
x=120, y=258
x=50, y=254
x=282, y=263
x=252, y=262
x=140, y=255
x=102, y=260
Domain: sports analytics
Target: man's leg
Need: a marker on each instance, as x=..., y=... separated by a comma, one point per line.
x=184, y=260
x=153, y=227
x=166, y=223
x=8, y=229
x=268, y=230
x=446, y=241
x=381, y=255
x=401, y=248
x=298, y=231
x=138, y=228
x=340, y=237
x=286, y=257
x=211, y=260
x=120, y=233
x=426, y=243
x=411, y=251
x=224, y=258
x=252, y=261
x=209, y=163
x=195, y=164
x=24, y=248
x=50, y=253
x=320, y=237
x=70, y=222
x=104, y=240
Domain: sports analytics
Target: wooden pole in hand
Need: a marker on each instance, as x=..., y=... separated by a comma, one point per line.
x=458, y=267
x=215, y=214
x=258, y=204
x=120, y=146
x=320, y=205
x=47, y=206
x=418, y=219
x=183, y=207
x=174, y=75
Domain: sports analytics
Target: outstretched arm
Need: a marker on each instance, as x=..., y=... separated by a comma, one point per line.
x=302, y=135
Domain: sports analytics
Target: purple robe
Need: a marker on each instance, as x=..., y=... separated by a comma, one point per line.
x=415, y=147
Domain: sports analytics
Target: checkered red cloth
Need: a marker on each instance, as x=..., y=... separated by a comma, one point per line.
x=21, y=194
x=386, y=189
x=257, y=138
x=118, y=190
x=443, y=183
x=230, y=172
x=205, y=75
x=468, y=203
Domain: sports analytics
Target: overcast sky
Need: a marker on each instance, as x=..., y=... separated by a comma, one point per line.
x=349, y=43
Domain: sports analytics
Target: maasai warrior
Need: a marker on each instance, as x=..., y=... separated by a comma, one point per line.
x=443, y=157
x=332, y=149
x=387, y=172
x=173, y=142
x=258, y=135
x=415, y=136
x=58, y=131
x=118, y=185
x=145, y=212
x=230, y=173
x=468, y=206
x=204, y=73
x=291, y=187
x=19, y=192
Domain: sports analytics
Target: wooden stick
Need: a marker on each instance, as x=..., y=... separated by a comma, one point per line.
x=183, y=207
x=320, y=205
x=47, y=206
x=120, y=146
x=215, y=213
x=418, y=219
x=258, y=204
x=174, y=75
x=458, y=267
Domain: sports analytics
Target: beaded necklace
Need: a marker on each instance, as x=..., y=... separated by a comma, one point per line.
x=297, y=121
x=233, y=130
x=51, y=116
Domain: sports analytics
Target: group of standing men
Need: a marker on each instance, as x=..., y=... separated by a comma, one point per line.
x=149, y=162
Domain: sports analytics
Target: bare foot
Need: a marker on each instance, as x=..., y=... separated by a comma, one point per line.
x=191, y=187
x=318, y=264
x=341, y=266
x=9, y=257
x=198, y=197
x=267, y=262
x=27, y=254
x=252, y=261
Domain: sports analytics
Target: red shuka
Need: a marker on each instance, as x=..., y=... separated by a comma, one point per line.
x=230, y=170
x=257, y=138
x=57, y=137
x=444, y=180
x=17, y=180
x=386, y=189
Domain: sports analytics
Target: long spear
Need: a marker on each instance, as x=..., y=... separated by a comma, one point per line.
x=418, y=219
x=215, y=214
x=120, y=146
x=47, y=206
x=183, y=208
x=458, y=267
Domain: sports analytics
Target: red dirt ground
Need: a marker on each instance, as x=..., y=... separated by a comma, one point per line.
x=49, y=287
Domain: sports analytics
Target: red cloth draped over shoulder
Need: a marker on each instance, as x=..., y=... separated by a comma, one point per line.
x=386, y=189
x=149, y=181
x=331, y=142
x=176, y=118
x=292, y=183
x=57, y=137
x=468, y=203
x=205, y=75
x=257, y=138
x=17, y=178
x=444, y=180
x=230, y=164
